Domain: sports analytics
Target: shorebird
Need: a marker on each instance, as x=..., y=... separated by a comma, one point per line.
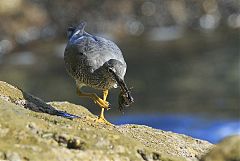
x=98, y=63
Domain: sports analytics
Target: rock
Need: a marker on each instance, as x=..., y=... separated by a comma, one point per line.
x=31, y=130
x=12, y=156
x=227, y=150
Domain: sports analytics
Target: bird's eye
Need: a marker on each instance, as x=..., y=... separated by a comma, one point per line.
x=110, y=69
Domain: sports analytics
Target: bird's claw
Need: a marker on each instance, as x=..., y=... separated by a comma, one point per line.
x=103, y=120
x=102, y=103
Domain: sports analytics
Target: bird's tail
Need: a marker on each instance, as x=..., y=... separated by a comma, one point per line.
x=81, y=26
x=125, y=98
x=76, y=31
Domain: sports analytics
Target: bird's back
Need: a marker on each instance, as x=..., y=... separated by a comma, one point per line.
x=85, y=55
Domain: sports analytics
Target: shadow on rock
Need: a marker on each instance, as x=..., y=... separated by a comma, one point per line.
x=19, y=97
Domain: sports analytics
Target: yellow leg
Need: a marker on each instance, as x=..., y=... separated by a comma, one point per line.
x=101, y=117
x=102, y=103
x=105, y=94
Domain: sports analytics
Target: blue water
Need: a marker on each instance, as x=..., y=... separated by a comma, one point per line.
x=212, y=130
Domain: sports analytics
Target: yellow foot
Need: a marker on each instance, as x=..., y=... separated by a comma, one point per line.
x=103, y=120
x=101, y=102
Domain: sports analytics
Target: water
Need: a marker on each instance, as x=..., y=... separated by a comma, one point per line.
x=212, y=130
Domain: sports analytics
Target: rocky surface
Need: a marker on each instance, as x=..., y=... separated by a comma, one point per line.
x=227, y=150
x=30, y=130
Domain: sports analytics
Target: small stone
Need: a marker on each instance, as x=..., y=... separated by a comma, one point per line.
x=61, y=139
x=76, y=144
x=13, y=156
x=143, y=154
x=3, y=132
x=33, y=127
x=120, y=149
x=156, y=156
x=2, y=155
x=47, y=135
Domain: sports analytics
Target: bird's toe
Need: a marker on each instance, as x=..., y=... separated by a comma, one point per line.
x=103, y=120
x=102, y=103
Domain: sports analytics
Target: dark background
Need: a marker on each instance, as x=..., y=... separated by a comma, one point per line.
x=182, y=55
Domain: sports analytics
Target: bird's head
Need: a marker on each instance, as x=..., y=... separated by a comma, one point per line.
x=125, y=98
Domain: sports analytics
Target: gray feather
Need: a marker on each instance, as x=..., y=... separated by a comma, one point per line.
x=86, y=57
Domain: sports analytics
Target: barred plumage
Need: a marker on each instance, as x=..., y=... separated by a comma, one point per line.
x=98, y=63
x=85, y=58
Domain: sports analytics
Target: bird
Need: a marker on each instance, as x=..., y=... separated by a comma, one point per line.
x=98, y=63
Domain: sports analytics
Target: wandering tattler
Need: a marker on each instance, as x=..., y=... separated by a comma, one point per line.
x=98, y=63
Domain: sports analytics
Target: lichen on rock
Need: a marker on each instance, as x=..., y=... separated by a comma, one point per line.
x=29, y=135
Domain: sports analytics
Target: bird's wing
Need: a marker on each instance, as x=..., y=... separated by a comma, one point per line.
x=98, y=50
